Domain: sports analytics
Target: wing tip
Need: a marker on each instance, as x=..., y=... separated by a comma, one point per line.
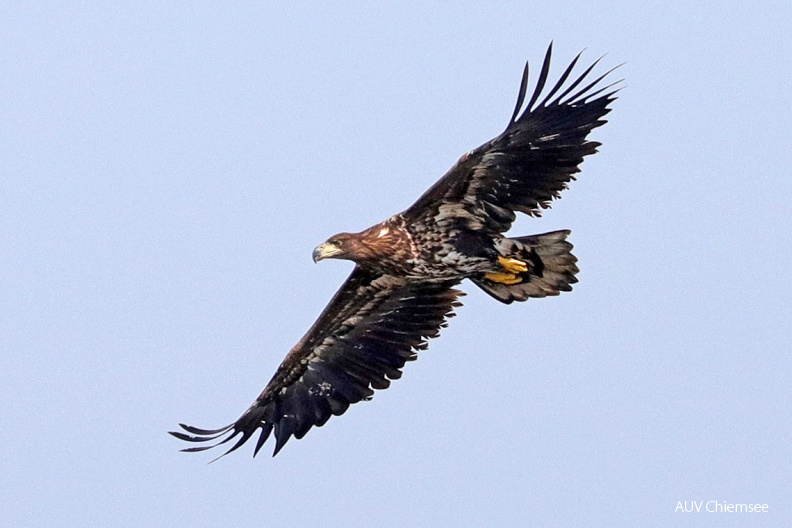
x=583, y=95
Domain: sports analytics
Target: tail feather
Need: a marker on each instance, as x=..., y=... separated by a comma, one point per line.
x=551, y=267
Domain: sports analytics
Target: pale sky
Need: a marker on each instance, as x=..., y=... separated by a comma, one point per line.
x=168, y=169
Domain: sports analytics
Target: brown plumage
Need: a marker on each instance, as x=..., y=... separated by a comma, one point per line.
x=402, y=290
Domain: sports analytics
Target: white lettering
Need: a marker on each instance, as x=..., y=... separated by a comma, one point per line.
x=688, y=508
x=715, y=506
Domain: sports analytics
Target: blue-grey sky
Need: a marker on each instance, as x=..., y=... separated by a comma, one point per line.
x=166, y=170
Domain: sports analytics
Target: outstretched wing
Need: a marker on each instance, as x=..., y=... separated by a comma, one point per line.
x=372, y=326
x=530, y=163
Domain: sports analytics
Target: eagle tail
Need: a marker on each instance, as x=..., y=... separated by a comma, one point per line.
x=550, y=267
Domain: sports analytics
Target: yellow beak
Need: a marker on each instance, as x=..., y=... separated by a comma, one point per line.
x=324, y=251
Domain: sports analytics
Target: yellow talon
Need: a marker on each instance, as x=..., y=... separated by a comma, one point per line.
x=503, y=278
x=513, y=266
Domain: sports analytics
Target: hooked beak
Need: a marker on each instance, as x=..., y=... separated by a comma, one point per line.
x=324, y=251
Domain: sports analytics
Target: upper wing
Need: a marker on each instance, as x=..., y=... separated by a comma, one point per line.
x=530, y=163
x=373, y=324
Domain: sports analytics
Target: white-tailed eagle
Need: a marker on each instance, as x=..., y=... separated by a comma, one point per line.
x=403, y=287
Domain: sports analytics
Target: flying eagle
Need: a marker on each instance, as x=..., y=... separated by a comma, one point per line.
x=403, y=287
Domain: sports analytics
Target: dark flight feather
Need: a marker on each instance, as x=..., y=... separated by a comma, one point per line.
x=542, y=78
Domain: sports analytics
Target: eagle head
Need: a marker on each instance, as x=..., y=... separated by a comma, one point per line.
x=340, y=246
x=367, y=247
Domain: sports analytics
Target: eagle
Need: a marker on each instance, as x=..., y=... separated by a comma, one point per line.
x=403, y=288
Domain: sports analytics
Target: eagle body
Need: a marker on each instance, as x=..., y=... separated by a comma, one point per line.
x=421, y=251
x=403, y=288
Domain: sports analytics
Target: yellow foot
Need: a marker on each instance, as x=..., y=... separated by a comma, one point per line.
x=513, y=266
x=503, y=278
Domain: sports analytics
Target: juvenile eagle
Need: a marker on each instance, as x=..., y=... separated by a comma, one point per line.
x=402, y=289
